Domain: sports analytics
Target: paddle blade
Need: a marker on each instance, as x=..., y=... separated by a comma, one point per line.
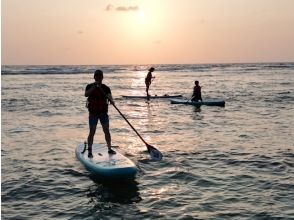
x=154, y=153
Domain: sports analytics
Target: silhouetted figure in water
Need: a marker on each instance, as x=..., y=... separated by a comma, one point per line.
x=98, y=95
x=148, y=80
x=196, y=97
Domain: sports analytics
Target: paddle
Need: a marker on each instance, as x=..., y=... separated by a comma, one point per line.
x=154, y=153
x=189, y=99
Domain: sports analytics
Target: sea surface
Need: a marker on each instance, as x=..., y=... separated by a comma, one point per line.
x=232, y=162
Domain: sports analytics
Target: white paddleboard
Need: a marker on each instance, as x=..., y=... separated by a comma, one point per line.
x=104, y=165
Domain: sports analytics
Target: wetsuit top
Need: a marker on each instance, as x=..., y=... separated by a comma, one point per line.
x=97, y=102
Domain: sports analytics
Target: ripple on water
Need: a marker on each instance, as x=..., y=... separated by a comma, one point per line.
x=219, y=163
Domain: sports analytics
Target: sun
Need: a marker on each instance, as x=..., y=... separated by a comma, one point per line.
x=142, y=25
x=138, y=19
x=142, y=14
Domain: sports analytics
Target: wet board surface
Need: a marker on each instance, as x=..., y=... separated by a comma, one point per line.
x=105, y=165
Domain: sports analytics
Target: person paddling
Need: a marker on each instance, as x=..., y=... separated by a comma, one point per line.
x=148, y=80
x=98, y=95
x=196, y=92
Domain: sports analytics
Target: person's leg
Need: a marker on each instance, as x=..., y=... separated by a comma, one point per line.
x=107, y=135
x=147, y=88
x=93, y=120
x=104, y=119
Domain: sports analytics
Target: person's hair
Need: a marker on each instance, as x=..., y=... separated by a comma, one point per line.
x=151, y=69
x=98, y=72
x=196, y=82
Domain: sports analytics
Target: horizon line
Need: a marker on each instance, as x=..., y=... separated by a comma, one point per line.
x=216, y=63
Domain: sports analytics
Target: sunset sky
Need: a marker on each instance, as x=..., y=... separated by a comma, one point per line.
x=74, y=32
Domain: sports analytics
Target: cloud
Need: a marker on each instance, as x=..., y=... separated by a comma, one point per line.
x=202, y=21
x=110, y=7
x=157, y=42
x=129, y=8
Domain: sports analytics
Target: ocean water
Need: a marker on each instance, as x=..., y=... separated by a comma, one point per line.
x=232, y=162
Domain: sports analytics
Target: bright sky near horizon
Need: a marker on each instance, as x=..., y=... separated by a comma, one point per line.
x=76, y=32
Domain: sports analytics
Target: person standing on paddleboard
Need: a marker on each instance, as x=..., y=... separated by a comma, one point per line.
x=196, y=92
x=97, y=104
x=148, y=80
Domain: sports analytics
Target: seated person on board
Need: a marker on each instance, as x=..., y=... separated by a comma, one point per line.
x=196, y=93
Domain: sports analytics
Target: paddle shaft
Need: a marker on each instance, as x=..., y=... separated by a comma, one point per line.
x=151, y=80
x=123, y=117
x=128, y=122
x=189, y=99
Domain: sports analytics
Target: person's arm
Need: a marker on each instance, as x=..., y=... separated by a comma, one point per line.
x=107, y=93
x=89, y=89
x=110, y=98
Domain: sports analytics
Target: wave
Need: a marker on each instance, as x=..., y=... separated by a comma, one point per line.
x=63, y=69
x=85, y=69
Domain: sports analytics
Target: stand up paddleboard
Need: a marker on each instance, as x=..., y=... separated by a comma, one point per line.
x=209, y=102
x=104, y=165
x=150, y=97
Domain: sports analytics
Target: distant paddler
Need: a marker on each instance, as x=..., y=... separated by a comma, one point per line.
x=148, y=80
x=196, y=97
